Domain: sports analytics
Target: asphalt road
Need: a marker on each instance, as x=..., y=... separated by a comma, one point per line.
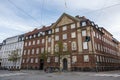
x=40, y=75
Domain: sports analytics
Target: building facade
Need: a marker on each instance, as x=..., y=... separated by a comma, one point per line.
x=9, y=45
x=71, y=43
x=36, y=43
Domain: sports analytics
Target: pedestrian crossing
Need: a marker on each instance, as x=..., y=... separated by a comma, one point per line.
x=11, y=74
x=107, y=75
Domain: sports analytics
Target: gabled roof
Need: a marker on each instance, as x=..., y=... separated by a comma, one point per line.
x=64, y=14
x=35, y=31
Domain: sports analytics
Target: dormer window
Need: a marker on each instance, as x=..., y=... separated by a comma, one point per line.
x=22, y=38
x=39, y=34
x=34, y=35
x=83, y=23
x=30, y=37
x=92, y=23
x=49, y=32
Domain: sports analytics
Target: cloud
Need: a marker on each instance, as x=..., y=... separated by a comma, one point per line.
x=46, y=12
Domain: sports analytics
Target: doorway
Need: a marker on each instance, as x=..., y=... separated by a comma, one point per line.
x=65, y=66
x=41, y=65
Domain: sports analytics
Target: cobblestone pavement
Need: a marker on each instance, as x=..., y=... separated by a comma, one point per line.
x=40, y=75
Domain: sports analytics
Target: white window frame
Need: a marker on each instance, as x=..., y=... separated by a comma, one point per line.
x=74, y=45
x=73, y=35
x=56, y=29
x=85, y=45
x=84, y=32
x=86, y=58
x=72, y=26
x=56, y=37
x=64, y=36
x=64, y=28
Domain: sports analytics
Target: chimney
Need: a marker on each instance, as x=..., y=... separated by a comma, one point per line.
x=77, y=16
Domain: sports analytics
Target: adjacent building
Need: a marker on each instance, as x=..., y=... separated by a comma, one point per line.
x=10, y=44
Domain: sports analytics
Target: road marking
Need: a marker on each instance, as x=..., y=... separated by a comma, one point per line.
x=108, y=75
x=11, y=74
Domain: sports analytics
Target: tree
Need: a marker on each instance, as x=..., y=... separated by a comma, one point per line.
x=14, y=57
x=43, y=56
x=59, y=51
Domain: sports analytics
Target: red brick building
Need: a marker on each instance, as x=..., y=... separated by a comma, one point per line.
x=88, y=46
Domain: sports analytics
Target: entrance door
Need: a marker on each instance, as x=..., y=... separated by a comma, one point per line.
x=65, y=64
x=41, y=64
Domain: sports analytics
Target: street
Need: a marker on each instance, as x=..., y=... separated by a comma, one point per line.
x=40, y=75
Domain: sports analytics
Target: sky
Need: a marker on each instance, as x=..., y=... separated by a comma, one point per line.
x=20, y=16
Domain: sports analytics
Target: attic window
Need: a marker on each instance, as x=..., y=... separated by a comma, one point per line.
x=83, y=23
x=38, y=34
x=34, y=36
x=30, y=37
x=49, y=32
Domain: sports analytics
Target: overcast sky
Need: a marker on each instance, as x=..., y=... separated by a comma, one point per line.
x=20, y=16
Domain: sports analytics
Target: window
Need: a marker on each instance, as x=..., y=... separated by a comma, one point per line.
x=36, y=60
x=94, y=33
x=64, y=46
x=85, y=46
x=23, y=61
x=56, y=37
x=28, y=52
x=26, y=37
x=72, y=26
x=57, y=30
x=74, y=47
x=56, y=59
x=33, y=42
x=29, y=43
x=64, y=28
x=83, y=32
x=49, y=32
x=73, y=35
x=31, y=61
x=74, y=59
x=83, y=23
x=39, y=34
x=49, y=49
x=49, y=39
x=25, y=43
x=64, y=36
x=86, y=58
x=37, y=51
x=24, y=52
x=48, y=59
x=43, y=33
x=34, y=36
x=42, y=50
x=30, y=37
x=43, y=40
x=32, y=51
x=56, y=48
x=38, y=41
x=97, y=58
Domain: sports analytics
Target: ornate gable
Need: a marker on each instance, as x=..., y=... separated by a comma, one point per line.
x=64, y=19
